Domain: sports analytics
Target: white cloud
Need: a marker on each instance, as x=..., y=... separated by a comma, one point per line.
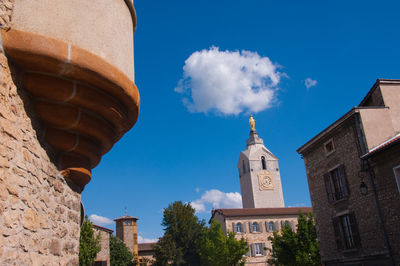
x=100, y=220
x=146, y=240
x=217, y=199
x=228, y=82
x=308, y=82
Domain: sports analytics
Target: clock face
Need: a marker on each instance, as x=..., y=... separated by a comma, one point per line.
x=265, y=180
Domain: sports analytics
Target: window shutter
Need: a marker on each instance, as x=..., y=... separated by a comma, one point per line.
x=234, y=227
x=282, y=224
x=252, y=250
x=276, y=228
x=336, y=229
x=248, y=253
x=266, y=226
x=328, y=187
x=250, y=228
x=292, y=225
x=354, y=230
x=244, y=227
x=260, y=227
x=263, y=251
x=343, y=180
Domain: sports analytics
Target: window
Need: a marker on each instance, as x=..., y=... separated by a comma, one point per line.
x=397, y=176
x=270, y=226
x=264, y=164
x=257, y=249
x=239, y=228
x=254, y=227
x=329, y=147
x=336, y=184
x=288, y=223
x=346, y=232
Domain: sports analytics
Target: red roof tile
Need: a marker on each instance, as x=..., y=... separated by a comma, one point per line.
x=262, y=211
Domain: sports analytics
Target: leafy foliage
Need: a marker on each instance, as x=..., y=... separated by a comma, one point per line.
x=181, y=230
x=218, y=249
x=89, y=246
x=119, y=253
x=296, y=248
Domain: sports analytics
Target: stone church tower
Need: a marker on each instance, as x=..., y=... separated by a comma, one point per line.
x=260, y=180
x=127, y=231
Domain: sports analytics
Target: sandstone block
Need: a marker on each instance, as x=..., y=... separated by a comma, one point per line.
x=31, y=220
x=3, y=193
x=55, y=247
x=1, y=244
x=11, y=218
x=12, y=191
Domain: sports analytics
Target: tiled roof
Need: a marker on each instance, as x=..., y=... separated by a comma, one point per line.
x=146, y=246
x=262, y=211
x=125, y=217
x=384, y=145
x=103, y=228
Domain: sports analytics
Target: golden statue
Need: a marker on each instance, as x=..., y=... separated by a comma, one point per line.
x=252, y=123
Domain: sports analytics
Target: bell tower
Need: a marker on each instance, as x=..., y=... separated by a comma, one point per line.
x=260, y=179
x=127, y=231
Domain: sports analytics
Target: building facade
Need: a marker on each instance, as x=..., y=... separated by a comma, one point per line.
x=103, y=257
x=352, y=171
x=256, y=225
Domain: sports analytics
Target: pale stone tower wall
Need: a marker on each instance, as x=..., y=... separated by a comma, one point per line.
x=261, y=188
x=126, y=230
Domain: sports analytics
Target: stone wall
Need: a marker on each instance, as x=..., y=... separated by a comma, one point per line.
x=388, y=195
x=40, y=211
x=258, y=237
x=317, y=163
x=104, y=254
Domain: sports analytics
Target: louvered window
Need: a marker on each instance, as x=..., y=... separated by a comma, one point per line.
x=346, y=232
x=336, y=184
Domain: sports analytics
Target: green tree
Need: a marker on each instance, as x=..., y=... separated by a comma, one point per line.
x=89, y=245
x=298, y=248
x=119, y=253
x=218, y=249
x=181, y=230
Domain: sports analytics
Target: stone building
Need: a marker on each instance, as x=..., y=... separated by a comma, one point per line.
x=262, y=197
x=127, y=231
x=103, y=257
x=256, y=225
x=352, y=169
x=67, y=95
x=146, y=254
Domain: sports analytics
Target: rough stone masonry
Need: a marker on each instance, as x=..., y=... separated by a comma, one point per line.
x=39, y=211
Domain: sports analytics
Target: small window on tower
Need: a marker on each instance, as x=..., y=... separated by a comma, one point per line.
x=264, y=164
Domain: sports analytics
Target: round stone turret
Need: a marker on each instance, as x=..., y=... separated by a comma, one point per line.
x=75, y=59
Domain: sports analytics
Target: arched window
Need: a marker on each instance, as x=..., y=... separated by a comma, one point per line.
x=287, y=223
x=264, y=164
x=239, y=228
x=254, y=227
x=271, y=226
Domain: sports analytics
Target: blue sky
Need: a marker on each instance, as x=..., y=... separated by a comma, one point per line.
x=189, y=135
